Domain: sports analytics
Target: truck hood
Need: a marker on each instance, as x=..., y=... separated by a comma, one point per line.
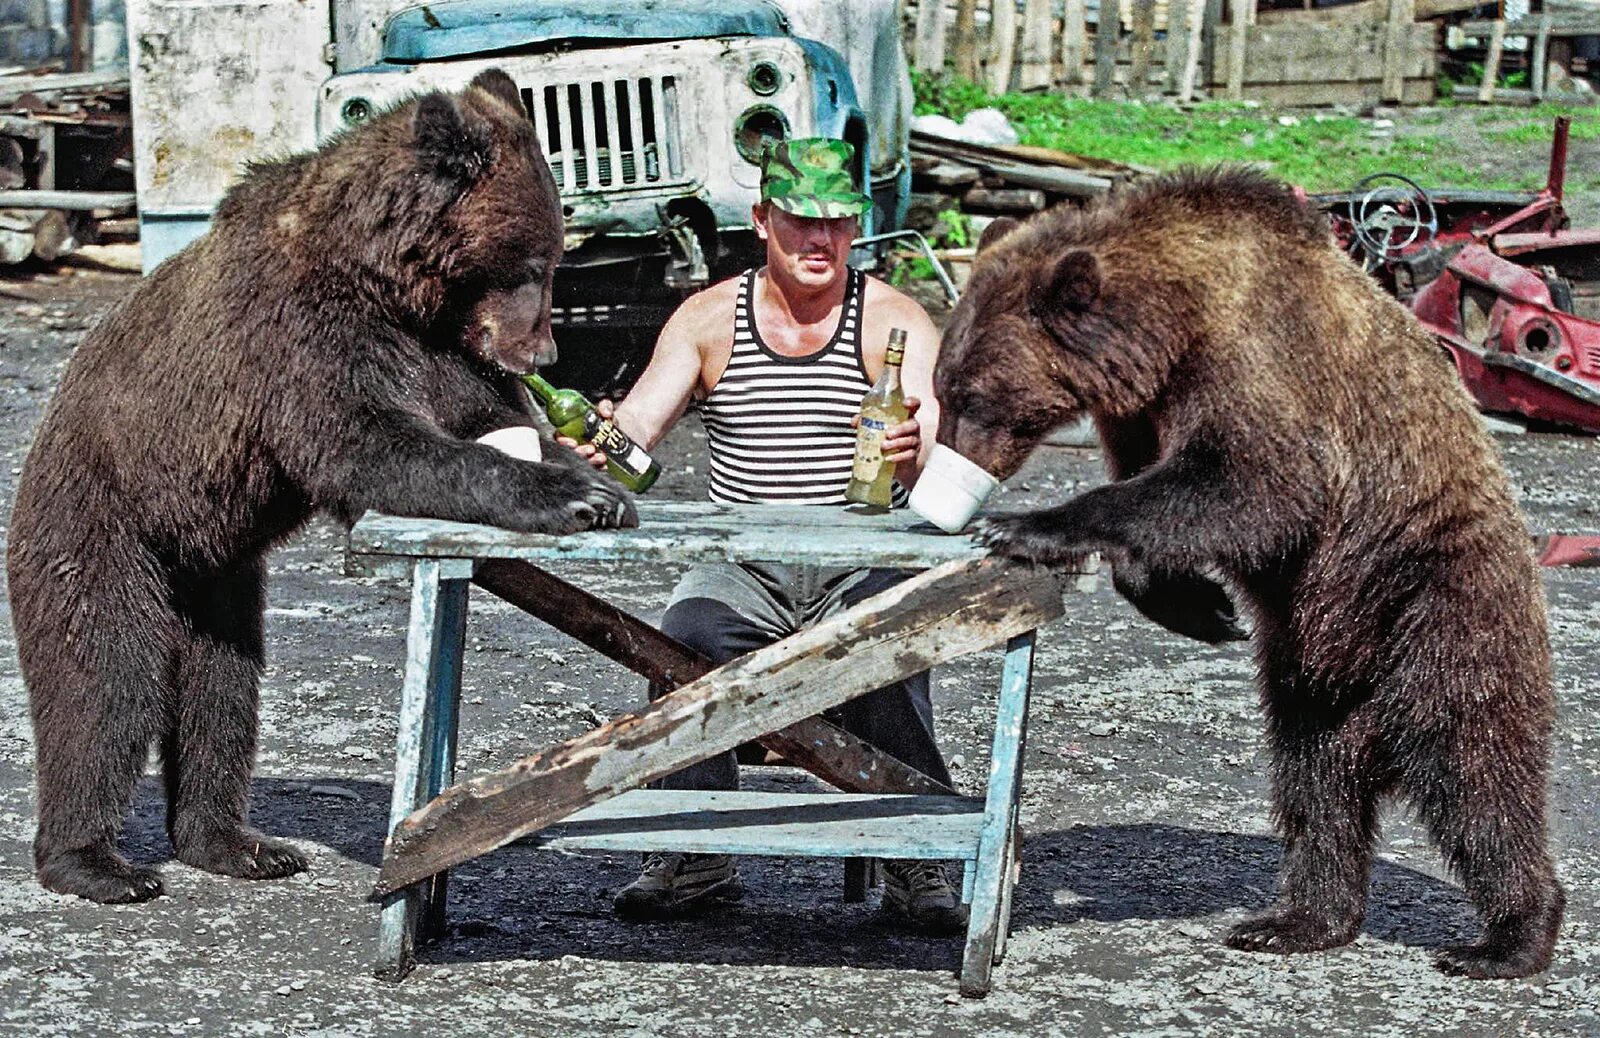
x=455, y=28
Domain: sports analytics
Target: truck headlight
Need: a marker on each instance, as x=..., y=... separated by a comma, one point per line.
x=756, y=128
x=356, y=110
x=764, y=78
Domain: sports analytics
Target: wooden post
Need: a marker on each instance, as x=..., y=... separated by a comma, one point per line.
x=1491, y=64
x=1210, y=35
x=1144, y=39
x=80, y=35
x=929, y=56
x=1194, y=31
x=939, y=615
x=1541, y=63
x=966, y=42
x=1002, y=44
x=1106, y=31
x=1074, y=36
x=1037, y=66
x=1396, y=46
x=1243, y=13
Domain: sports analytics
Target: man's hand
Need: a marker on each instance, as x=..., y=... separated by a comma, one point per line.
x=901, y=442
x=588, y=451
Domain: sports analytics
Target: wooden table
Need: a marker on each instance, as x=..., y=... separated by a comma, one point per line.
x=888, y=810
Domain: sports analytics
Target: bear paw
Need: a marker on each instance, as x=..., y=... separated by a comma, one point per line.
x=589, y=502
x=1024, y=536
x=99, y=874
x=1290, y=932
x=244, y=853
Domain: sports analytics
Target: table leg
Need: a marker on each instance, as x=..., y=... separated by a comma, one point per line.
x=996, y=841
x=425, y=745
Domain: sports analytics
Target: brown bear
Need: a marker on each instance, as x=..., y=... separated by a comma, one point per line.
x=1273, y=419
x=353, y=319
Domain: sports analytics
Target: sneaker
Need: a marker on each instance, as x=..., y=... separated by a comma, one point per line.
x=918, y=893
x=671, y=883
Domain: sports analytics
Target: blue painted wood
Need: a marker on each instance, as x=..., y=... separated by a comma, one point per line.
x=993, y=870
x=434, y=643
x=686, y=534
x=442, y=724
x=834, y=825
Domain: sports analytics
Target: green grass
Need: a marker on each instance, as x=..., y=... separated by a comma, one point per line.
x=1318, y=151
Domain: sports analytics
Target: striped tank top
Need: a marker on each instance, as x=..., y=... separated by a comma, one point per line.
x=778, y=427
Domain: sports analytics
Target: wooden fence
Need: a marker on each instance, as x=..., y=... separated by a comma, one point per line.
x=1370, y=51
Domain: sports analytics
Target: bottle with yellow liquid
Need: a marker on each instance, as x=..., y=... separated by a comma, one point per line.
x=883, y=408
x=572, y=415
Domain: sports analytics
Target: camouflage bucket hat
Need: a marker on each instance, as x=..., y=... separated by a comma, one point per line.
x=811, y=176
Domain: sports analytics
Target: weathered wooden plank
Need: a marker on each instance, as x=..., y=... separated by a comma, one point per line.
x=965, y=44
x=81, y=201
x=1002, y=45
x=1074, y=41
x=1563, y=23
x=1195, y=33
x=826, y=750
x=1541, y=48
x=935, y=616
x=1491, y=64
x=1105, y=46
x=1015, y=169
x=928, y=53
x=835, y=825
x=1003, y=199
x=905, y=541
x=1144, y=36
x=1327, y=54
x=1037, y=63
x=1396, y=43
x=1243, y=13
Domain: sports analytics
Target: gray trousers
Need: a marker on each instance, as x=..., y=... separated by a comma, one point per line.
x=723, y=611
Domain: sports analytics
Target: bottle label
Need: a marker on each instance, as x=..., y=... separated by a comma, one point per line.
x=869, y=449
x=615, y=444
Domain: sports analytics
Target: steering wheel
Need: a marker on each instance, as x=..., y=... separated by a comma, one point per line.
x=1394, y=213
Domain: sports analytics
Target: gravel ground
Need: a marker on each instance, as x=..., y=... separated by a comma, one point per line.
x=1144, y=805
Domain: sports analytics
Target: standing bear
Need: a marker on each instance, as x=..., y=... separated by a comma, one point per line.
x=1274, y=420
x=352, y=321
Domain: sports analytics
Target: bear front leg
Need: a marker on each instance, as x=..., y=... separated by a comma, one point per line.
x=1325, y=786
x=401, y=467
x=208, y=754
x=1181, y=515
x=1184, y=603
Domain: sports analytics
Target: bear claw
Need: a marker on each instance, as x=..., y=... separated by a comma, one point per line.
x=245, y=854
x=100, y=875
x=1288, y=933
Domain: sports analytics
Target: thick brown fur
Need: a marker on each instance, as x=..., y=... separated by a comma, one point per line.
x=1273, y=419
x=349, y=324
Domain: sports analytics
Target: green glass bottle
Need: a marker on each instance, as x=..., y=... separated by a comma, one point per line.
x=883, y=408
x=574, y=416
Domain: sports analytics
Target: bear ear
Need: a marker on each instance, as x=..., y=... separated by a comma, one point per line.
x=998, y=228
x=501, y=86
x=447, y=145
x=1071, y=287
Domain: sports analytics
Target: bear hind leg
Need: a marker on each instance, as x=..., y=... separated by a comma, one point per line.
x=1493, y=835
x=98, y=670
x=210, y=747
x=1325, y=793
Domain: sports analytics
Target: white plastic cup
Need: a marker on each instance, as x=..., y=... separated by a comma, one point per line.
x=519, y=441
x=950, y=489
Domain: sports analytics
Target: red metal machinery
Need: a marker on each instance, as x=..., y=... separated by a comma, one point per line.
x=1511, y=291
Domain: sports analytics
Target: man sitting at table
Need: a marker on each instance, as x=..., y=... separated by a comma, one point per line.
x=776, y=361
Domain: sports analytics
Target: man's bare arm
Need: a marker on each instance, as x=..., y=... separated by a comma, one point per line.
x=662, y=393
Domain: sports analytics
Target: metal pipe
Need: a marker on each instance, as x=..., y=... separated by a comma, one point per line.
x=1558, y=158
x=927, y=250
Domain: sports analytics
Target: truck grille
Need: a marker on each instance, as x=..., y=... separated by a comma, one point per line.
x=609, y=134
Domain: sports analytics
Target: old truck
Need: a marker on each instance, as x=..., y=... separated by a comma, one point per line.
x=653, y=115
